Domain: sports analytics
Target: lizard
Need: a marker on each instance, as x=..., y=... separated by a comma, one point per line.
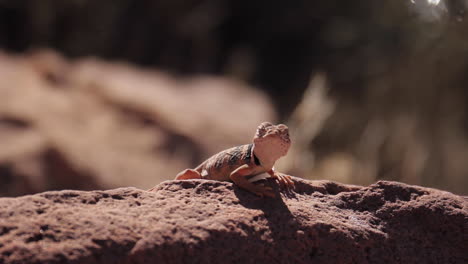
x=240, y=164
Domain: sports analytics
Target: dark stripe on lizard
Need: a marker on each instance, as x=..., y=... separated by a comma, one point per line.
x=248, y=157
x=256, y=160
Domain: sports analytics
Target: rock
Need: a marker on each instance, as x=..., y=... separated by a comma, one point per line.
x=201, y=221
x=88, y=124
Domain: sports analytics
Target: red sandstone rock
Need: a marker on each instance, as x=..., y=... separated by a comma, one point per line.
x=202, y=221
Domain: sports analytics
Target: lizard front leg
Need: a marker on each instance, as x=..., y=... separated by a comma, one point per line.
x=239, y=175
x=283, y=179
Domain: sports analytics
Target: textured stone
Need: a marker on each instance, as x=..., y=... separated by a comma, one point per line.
x=202, y=221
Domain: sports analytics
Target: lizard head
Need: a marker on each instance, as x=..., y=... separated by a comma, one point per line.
x=271, y=142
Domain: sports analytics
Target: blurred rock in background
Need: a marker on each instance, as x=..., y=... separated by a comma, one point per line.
x=387, y=97
x=88, y=124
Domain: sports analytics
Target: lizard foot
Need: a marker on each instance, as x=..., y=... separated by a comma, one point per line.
x=284, y=180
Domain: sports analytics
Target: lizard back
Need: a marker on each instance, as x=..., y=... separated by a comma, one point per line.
x=220, y=165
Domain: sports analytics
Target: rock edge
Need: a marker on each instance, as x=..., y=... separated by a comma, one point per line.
x=202, y=221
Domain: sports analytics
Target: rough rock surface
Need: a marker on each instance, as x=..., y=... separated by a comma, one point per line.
x=215, y=222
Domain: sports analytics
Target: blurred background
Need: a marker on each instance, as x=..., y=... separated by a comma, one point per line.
x=104, y=94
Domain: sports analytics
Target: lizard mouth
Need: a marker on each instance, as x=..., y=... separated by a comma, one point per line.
x=276, y=141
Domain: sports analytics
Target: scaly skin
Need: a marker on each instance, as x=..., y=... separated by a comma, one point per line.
x=240, y=163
